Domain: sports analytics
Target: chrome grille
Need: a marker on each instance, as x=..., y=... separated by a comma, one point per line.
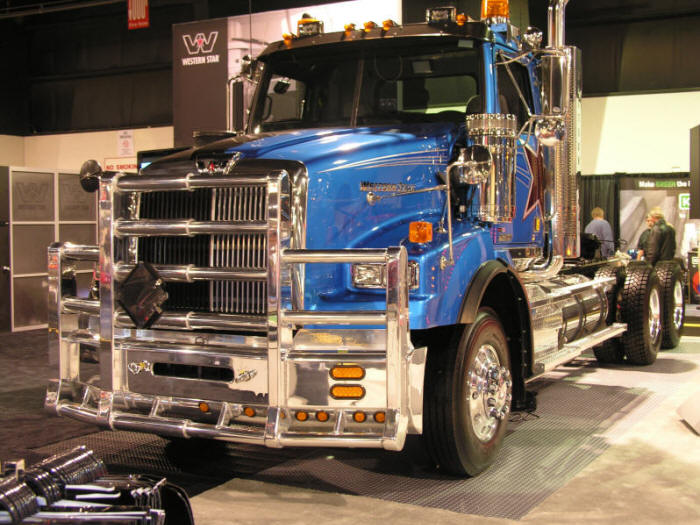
x=240, y=251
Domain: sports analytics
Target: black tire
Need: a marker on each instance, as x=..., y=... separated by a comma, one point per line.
x=610, y=351
x=640, y=307
x=673, y=303
x=452, y=404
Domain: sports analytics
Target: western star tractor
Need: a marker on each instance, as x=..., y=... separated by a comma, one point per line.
x=390, y=246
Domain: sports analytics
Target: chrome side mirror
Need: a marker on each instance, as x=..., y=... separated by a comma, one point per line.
x=550, y=131
x=90, y=173
x=473, y=165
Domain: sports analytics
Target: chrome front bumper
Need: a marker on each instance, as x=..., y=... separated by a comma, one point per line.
x=270, y=379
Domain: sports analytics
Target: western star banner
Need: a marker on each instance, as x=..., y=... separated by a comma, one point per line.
x=207, y=53
x=200, y=71
x=138, y=14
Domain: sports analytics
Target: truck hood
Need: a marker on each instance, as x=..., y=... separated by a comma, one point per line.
x=343, y=166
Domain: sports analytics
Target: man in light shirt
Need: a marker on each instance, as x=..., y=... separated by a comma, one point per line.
x=601, y=229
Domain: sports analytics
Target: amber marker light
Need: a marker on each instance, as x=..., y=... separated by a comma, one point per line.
x=347, y=392
x=420, y=232
x=349, y=28
x=322, y=416
x=462, y=19
x=494, y=8
x=347, y=372
x=204, y=407
x=287, y=39
x=369, y=26
x=359, y=417
x=380, y=417
x=388, y=24
x=301, y=415
x=248, y=411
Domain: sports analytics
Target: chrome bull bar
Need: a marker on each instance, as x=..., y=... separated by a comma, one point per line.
x=298, y=350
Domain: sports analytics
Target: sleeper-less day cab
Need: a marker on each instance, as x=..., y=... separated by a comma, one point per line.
x=389, y=247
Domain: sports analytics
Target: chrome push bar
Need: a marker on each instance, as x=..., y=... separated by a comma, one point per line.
x=131, y=394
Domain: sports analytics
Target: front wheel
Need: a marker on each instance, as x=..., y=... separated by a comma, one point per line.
x=468, y=393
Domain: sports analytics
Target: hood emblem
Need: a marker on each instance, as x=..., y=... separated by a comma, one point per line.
x=232, y=162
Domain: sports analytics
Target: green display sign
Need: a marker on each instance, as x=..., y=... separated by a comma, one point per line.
x=684, y=201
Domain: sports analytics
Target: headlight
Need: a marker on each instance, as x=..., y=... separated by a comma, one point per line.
x=374, y=275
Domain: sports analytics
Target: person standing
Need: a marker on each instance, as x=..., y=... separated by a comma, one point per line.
x=601, y=229
x=661, y=244
x=644, y=238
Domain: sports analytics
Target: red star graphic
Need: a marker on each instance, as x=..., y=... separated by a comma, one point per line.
x=535, y=160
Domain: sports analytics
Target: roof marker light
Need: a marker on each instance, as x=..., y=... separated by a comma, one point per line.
x=388, y=24
x=287, y=39
x=309, y=26
x=494, y=9
x=369, y=26
x=349, y=28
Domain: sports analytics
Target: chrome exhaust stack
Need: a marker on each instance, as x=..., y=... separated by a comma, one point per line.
x=559, y=131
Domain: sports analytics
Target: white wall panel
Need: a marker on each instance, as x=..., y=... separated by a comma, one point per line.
x=638, y=133
x=68, y=151
x=11, y=150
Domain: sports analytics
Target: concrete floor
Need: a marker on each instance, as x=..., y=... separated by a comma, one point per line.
x=648, y=473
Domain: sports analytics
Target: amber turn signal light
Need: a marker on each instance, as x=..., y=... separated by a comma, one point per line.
x=494, y=8
x=420, y=232
x=347, y=392
x=347, y=372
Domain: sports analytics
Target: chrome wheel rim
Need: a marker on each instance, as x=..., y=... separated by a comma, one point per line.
x=489, y=392
x=678, y=306
x=654, y=314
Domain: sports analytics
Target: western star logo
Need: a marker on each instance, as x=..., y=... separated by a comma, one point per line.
x=386, y=186
x=200, y=47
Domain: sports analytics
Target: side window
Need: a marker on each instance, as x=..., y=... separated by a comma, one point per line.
x=508, y=95
x=284, y=99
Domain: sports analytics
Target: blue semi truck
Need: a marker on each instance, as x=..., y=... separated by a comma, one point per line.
x=389, y=246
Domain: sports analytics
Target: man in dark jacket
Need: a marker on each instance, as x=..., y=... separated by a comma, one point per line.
x=661, y=244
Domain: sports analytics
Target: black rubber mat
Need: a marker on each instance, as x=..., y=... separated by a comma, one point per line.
x=540, y=455
x=578, y=416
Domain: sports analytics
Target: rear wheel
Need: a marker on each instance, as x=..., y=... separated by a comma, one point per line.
x=641, y=308
x=610, y=351
x=673, y=303
x=468, y=392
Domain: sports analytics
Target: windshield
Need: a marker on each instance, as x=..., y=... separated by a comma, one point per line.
x=415, y=82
